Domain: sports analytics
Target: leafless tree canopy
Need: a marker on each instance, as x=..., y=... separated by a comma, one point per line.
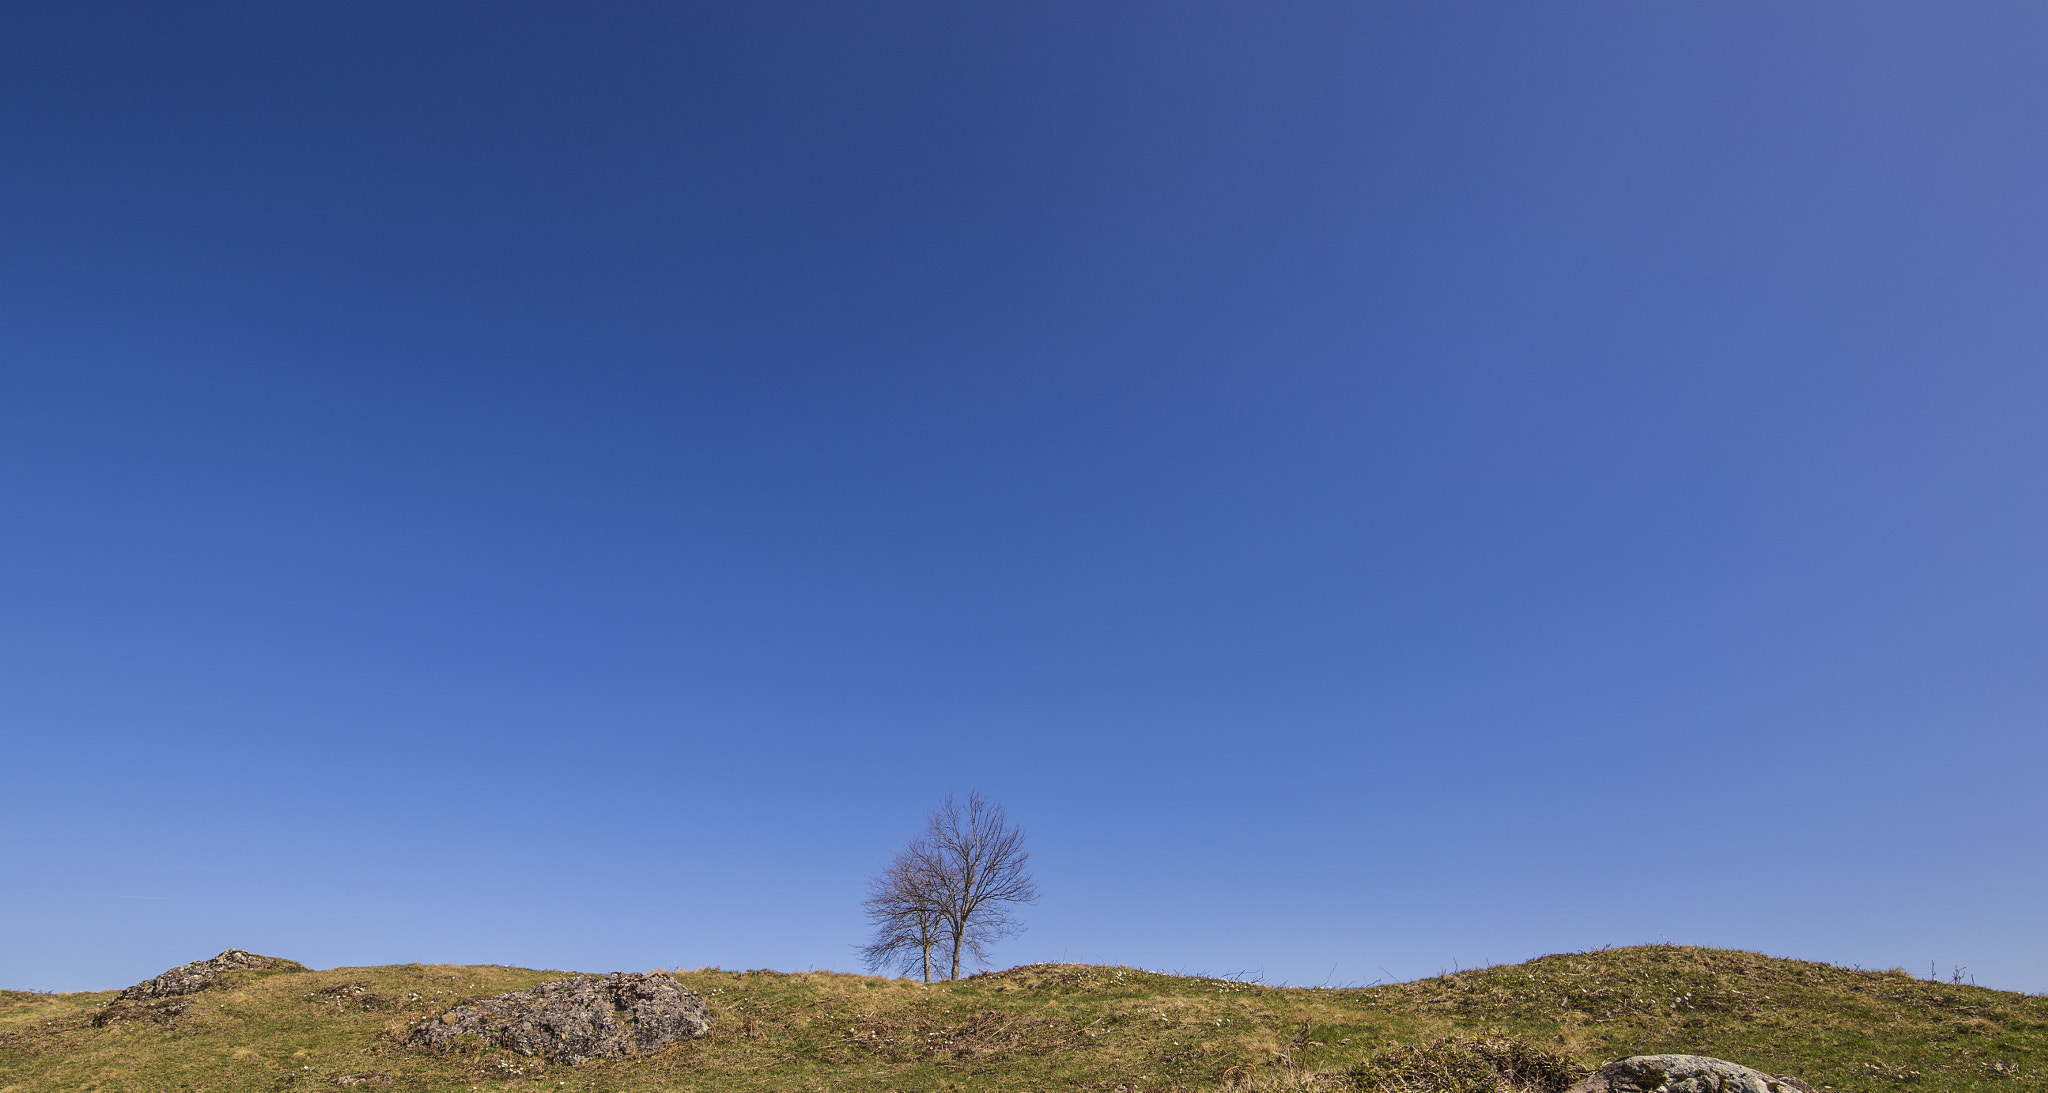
x=903, y=907
x=957, y=884
x=978, y=857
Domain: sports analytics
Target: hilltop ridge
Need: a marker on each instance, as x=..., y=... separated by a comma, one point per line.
x=1525, y=1026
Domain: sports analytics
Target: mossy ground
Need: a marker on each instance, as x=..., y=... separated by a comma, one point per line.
x=1045, y=1027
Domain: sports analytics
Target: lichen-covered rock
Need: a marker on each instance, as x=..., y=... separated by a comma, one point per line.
x=570, y=1020
x=164, y=997
x=1684, y=1074
x=200, y=974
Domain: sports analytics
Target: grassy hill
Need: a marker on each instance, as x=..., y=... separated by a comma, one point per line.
x=1045, y=1027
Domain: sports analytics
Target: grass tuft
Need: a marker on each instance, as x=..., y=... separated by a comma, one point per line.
x=1490, y=1064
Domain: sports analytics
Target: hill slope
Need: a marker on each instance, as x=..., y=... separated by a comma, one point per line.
x=1074, y=1027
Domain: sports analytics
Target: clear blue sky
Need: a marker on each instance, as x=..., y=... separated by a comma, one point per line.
x=1369, y=486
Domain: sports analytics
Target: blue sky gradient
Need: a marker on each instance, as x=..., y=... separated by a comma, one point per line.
x=1370, y=487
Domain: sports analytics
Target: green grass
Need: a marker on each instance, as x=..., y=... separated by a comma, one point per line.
x=1045, y=1027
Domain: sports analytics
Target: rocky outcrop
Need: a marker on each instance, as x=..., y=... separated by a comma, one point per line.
x=1684, y=1074
x=165, y=996
x=200, y=974
x=570, y=1020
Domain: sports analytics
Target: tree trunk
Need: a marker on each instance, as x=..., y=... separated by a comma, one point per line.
x=956, y=954
x=927, y=961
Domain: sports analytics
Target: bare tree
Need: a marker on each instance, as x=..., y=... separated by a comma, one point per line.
x=903, y=907
x=974, y=857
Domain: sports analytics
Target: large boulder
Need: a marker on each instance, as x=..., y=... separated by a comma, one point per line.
x=1684, y=1074
x=570, y=1020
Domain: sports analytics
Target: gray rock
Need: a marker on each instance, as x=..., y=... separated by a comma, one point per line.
x=162, y=999
x=199, y=975
x=570, y=1020
x=1684, y=1074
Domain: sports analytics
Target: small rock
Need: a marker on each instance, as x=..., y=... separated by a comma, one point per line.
x=1684, y=1074
x=570, y=1020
